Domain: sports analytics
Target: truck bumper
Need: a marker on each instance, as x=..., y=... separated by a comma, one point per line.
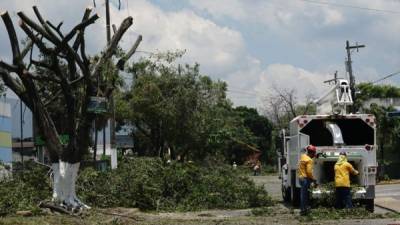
x=360, y=193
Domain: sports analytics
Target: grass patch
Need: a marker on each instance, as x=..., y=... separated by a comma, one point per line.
x=263, y=211
x=335, y=214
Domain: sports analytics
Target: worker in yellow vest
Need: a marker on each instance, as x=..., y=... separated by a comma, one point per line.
x=306, y=177
x=343, y=169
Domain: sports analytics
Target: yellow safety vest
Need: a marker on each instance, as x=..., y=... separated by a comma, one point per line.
x=306, y=167
x=342, y=174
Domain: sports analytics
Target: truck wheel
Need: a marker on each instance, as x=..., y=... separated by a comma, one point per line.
x=286, y=193
x=369, y=204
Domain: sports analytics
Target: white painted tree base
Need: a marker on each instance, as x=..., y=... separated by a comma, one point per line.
x=64, y=179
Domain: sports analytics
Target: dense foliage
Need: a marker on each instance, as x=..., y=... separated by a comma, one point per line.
x=145, y=183
x=173, y=108
x=151, y=184
x=25, y=190
x=388, y=128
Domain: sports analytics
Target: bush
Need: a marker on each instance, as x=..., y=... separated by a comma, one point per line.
x=145, y=183
x=25, y=189
x=149, y=184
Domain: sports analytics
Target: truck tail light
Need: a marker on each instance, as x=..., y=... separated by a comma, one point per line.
x=370, y=120
x=372, y=170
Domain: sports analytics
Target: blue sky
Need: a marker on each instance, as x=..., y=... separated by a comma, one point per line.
x=256, y=46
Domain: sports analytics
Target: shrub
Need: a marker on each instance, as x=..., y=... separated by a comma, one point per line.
x=145, y=183
x=25, y=189
x=150, y=184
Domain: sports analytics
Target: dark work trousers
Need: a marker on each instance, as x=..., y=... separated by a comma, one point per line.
x=343, y=198
x=304, y=194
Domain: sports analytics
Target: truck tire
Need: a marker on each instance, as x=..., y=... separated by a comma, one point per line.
x=286, y=193
x=369, y=204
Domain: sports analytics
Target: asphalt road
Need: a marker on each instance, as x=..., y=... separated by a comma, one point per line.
x=387, y=195
x=388, y=190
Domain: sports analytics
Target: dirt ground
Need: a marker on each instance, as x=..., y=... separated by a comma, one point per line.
x=279, y=214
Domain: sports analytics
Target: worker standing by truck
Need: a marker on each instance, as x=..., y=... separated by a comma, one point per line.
x=306, y=177
x=342, y=181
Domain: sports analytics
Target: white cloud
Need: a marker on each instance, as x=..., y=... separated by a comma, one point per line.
x=287, y=77
x=218, y=49
x=273, y=14
x=310, y=33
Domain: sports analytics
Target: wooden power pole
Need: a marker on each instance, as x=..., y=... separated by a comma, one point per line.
x=349, y=68
x=111, y=101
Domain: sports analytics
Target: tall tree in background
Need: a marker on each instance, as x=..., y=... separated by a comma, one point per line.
x=284, y=105
x=63, y=79
x=261, y=128
x=173, y=108
x=388, y=129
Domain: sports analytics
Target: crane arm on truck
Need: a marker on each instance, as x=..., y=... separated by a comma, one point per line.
x=336, y=99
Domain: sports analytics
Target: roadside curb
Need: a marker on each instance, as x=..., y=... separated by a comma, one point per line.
x=386, y=208
x=388, y=182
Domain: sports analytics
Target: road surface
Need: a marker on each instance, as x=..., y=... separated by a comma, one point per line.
x=387, y=195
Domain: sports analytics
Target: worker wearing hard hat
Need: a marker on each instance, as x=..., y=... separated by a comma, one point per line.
x=306, y=177
x=342, y=181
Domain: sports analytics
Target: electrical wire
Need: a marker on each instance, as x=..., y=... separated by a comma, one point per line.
x=242, y=92
x=385, y=77
x=350, y=6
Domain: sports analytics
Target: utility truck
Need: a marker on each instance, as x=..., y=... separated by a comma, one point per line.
x=332, y=131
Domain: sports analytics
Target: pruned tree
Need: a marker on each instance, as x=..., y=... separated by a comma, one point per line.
x=284, y=105
x=58, y=84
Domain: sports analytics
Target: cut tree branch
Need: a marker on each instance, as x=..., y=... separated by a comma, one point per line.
x=78, y=40
x=42, y=47
x=28, y=47
x=77, y=28
x=121, y=62
x=44, y=24
x=36, y=27
x=110, y=50
x=13, y=37
x=8, y=67
x=56, y=29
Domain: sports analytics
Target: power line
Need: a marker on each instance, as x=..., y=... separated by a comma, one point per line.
x=350, y=6
x=242, y=92
x=385, y=77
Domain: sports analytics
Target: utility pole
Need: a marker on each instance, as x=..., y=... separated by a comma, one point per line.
x=112, y=120
x=349, y=69
x=335, y=78
x=22, y=134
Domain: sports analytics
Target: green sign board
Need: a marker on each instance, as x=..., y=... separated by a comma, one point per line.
x=97, y=105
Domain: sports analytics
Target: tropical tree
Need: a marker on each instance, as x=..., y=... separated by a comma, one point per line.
x=58, y=85
x=172, y=108
x=262, y=129
x=388, y=128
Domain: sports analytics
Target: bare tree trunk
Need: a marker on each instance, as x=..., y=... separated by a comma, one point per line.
x=68, y=87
